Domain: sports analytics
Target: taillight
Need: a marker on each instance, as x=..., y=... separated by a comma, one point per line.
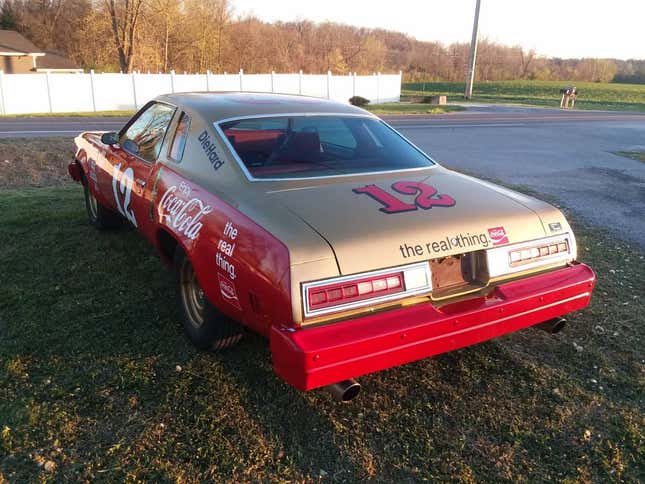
x=510, y=259
x=343, y=293
x=363, y=289
x=530, y=254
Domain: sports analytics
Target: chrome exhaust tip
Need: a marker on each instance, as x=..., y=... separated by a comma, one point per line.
x=552, y=326
x=345, y=390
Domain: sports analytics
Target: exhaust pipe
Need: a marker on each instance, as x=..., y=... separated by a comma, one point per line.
x=345, y=390
x=552, y=326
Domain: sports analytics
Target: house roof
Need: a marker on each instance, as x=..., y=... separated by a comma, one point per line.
x=13, y=43
x=53, y=61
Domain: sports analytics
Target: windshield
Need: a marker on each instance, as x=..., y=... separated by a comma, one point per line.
x=314, y=146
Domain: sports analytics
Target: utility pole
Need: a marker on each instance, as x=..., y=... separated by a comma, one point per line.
x=473, y=55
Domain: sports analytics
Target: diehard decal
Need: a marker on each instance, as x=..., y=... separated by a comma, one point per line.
x=498, y=235
x=426, y=197
x=227, y=289
x=123, y=188
x=209, y=148
x=182, y=215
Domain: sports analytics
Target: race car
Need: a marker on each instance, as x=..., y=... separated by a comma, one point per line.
x=319, y=226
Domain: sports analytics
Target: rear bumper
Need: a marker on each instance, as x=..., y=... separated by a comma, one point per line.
x=314, y=357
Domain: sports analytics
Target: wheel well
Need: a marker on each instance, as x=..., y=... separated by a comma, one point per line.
x=167, y=245
x=82, y=171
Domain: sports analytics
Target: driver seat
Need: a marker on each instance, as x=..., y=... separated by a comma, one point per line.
x=301, y=146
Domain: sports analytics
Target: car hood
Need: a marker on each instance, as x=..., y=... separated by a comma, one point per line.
x=363, y=237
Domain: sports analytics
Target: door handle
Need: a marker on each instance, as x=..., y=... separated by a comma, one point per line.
x=140, y=182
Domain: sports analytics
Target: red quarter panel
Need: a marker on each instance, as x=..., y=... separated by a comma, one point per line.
x=242, y=268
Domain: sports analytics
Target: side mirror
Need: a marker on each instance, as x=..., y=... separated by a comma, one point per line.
x=130, y=146
x=109, y=138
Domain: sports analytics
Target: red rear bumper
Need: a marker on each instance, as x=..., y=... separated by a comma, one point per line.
x=314, y=357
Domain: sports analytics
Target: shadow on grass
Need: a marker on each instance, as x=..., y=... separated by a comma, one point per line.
x=89, y=380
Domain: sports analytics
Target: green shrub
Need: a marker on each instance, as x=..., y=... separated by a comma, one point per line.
x=358, y=101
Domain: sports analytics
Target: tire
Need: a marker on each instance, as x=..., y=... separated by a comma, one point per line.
x=98, y=215
x=206, y=327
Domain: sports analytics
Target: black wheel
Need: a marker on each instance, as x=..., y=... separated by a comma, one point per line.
x=206, y=327
x=99, y=216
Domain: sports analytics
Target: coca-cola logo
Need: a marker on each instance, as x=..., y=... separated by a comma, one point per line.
x=181, y=214
x=227, y=289
x=498, y=235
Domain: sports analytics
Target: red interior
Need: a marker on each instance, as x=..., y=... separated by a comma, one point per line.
x=297, y=155
x=261, y=141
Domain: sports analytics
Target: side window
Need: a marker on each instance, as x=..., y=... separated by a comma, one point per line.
x=178, y=144
x=148, y=131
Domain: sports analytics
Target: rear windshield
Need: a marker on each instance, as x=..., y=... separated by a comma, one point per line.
x=313, y=146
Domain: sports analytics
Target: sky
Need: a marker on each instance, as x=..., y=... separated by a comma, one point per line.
x=565, y=28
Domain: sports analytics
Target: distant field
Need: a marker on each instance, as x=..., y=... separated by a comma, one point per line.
x=592, y=95
x=411, y=108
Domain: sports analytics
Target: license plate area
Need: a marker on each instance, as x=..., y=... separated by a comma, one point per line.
x=458, y=274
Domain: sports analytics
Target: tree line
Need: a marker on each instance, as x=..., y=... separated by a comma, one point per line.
x=200, y=35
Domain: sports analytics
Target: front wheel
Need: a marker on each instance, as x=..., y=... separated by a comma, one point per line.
x=206, y=327
x=98, y=215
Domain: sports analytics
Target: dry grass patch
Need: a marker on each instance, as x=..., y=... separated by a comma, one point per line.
x=34, y=162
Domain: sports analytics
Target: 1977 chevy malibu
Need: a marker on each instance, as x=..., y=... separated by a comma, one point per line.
x=319, y=226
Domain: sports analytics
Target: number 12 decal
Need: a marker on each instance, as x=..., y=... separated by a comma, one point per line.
x=123, y=188
x=426, y=197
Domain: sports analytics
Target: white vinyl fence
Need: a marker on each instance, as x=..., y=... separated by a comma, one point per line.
x=60, y=93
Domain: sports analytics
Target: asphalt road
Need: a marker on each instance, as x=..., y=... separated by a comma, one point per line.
x=567, y=155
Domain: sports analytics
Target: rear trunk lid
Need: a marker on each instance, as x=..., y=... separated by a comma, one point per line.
x=365, y=237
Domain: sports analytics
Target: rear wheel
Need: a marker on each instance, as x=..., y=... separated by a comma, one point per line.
x=98, y=215
x=206, y=327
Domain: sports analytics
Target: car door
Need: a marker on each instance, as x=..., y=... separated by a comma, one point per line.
x=133, y=160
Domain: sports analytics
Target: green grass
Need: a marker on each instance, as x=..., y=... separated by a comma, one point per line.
x=89, y=344
x=78, y=114
x=634, y=155
x=604, y=96
x=411, y=108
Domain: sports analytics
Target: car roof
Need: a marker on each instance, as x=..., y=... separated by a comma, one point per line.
x=218, y=106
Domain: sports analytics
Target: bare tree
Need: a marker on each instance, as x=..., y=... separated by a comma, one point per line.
x=196, y=35
x=124, y=18
x=526, y=59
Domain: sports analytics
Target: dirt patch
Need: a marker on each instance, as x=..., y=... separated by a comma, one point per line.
x=34, y=162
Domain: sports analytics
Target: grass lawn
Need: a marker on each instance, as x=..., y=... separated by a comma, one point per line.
x=78, y=114
x=412, y=108
x=635, y=155
x=592, y=95
x=98, y=382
